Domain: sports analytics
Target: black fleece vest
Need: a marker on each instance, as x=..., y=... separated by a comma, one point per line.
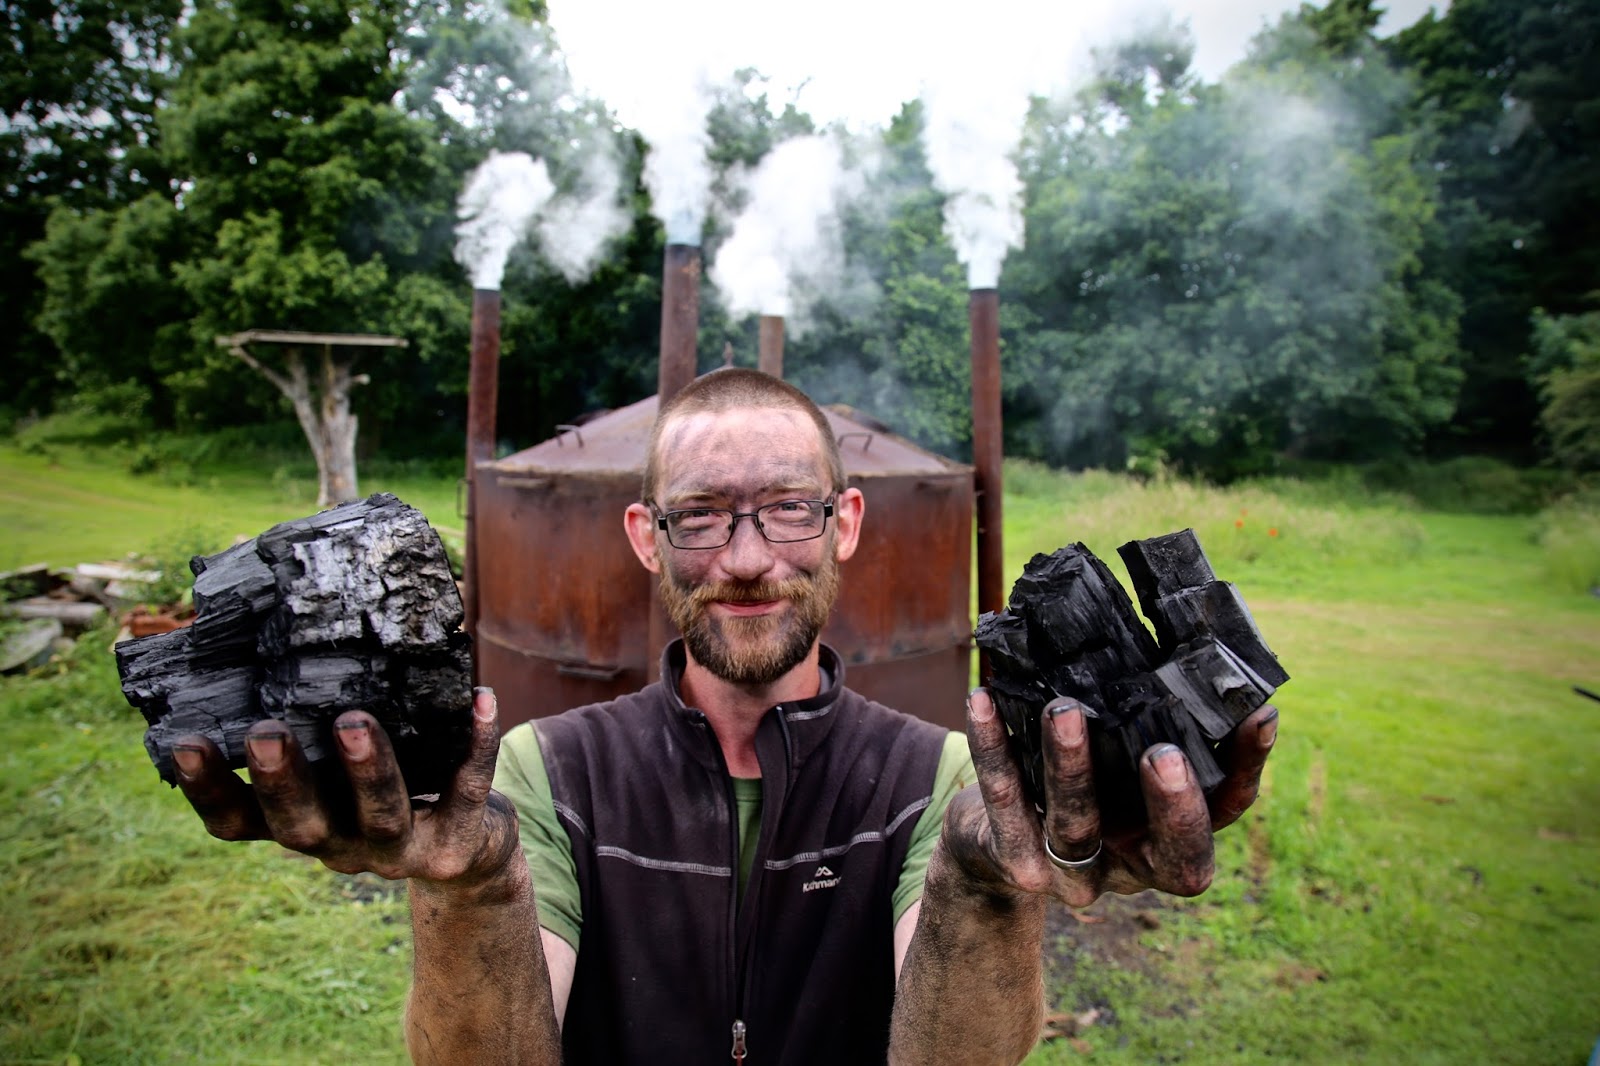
x=671, y=957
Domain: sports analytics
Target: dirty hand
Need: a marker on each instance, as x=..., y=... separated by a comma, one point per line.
x=468, y=836
x=997, y=838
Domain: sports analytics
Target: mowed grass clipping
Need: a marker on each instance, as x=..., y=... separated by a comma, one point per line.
x=1420, y=881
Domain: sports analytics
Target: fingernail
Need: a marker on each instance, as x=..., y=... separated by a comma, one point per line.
x=189, y=760
x=266, y=749
x=479, y=711
x=1267, y=732
x=1068, y=726
x=1169, y=766
x=355, y=738
x=982, y=711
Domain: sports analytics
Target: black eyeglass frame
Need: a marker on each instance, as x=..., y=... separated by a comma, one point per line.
x=733, y=522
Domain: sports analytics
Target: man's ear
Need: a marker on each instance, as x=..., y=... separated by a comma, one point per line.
x=640, y=523
x=848, y=510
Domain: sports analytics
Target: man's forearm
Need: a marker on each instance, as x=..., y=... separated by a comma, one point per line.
x=480, y=989
x=971, y=992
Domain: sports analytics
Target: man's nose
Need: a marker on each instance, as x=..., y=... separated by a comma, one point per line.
x=747, y=555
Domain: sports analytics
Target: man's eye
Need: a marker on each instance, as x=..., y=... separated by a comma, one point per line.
x=696, y=519
x=789, y=507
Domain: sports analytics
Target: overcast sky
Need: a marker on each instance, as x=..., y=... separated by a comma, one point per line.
x=860, y=59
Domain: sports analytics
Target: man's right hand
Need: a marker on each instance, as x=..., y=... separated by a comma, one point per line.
x=467, y=837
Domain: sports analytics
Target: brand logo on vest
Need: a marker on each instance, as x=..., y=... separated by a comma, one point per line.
x=823, y=878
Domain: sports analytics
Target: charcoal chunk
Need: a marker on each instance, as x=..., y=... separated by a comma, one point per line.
x=1069, y=629
x=354, y=608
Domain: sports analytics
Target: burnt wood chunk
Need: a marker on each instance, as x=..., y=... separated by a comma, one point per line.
x=351, y=609
x=1214, y=685
x=1069, y=629
x=1161, y=566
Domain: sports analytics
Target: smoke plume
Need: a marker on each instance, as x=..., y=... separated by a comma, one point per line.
x=496, y=206
x=575, y=230
x=786, y=242
x=654, y=72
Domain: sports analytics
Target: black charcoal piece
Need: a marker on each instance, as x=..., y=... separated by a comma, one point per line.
x=1069, y=629
x=1073, y=605
x=1216, y=610
x=370, y=570
x=1215, y=686
x=1161, y=566
x=352, y=609
x=233, y=591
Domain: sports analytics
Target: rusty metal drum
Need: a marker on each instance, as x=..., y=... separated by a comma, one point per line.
x=564, y=608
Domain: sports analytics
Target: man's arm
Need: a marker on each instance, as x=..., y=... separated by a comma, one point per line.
x=971, y=986
x=482, y=992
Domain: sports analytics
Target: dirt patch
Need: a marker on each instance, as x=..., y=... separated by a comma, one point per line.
x=1107, y=932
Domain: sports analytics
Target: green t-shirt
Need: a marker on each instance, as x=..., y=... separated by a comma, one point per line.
x=521, y=778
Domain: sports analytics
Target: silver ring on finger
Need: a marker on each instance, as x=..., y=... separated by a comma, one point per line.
x=1072, y=864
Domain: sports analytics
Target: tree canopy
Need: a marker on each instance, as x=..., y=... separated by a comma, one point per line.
x=1347, y=248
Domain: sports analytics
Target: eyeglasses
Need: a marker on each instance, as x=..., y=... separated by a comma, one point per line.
x=784, y=522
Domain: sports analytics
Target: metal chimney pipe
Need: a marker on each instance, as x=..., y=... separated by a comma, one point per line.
x=680, y=318
x=483, y=391
x=771, y=345
x=983, y=316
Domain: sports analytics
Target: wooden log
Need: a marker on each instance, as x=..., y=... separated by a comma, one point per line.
x=350, y=609
x=74, y=614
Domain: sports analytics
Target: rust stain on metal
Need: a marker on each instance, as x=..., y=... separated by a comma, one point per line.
x=483, y=390
x=769, y=353
x=983, y=311
x=680, y=318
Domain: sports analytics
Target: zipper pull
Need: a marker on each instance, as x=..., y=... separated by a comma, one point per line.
x=738, y=1042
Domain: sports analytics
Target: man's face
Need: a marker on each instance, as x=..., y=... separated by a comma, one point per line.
x=751, y=610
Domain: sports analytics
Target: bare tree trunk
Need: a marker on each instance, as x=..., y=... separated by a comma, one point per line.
x=324, y=416
x=337, y=468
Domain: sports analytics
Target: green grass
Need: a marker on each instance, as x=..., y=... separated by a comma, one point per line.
x=1420, y=881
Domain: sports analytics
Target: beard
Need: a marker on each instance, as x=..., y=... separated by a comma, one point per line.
x=752, y=650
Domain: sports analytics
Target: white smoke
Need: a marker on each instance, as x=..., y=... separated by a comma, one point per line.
x=576, y=230
x=496, y=206
x=787, y=240
x=650, y=64
x=970, y=137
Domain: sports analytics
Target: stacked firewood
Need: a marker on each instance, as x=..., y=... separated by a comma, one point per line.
x=354, y=608
x=1070, y=629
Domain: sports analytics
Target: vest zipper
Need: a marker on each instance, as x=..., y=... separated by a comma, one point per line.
x=735, y=969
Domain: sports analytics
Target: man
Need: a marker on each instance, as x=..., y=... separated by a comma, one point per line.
x=679, y=938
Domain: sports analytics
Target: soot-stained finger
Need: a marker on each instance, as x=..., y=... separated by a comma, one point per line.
x=999, y=780
x=1072, y=813
x=226, y=805
x=1180, y=848
x=286, y=788
x=382, y=804
x=1245, y=758
x=461, y=811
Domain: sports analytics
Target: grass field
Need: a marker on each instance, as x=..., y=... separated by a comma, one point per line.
x=1420, y=882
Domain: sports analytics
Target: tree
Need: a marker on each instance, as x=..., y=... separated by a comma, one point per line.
x=1222, y=274
x=1513, y=90
x=80, y=83
x=1565, y=370
x=321, y=399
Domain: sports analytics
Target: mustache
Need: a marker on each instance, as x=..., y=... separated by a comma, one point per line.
x=793, y=588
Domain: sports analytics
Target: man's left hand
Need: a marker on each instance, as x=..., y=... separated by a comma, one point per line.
x=997, y=838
